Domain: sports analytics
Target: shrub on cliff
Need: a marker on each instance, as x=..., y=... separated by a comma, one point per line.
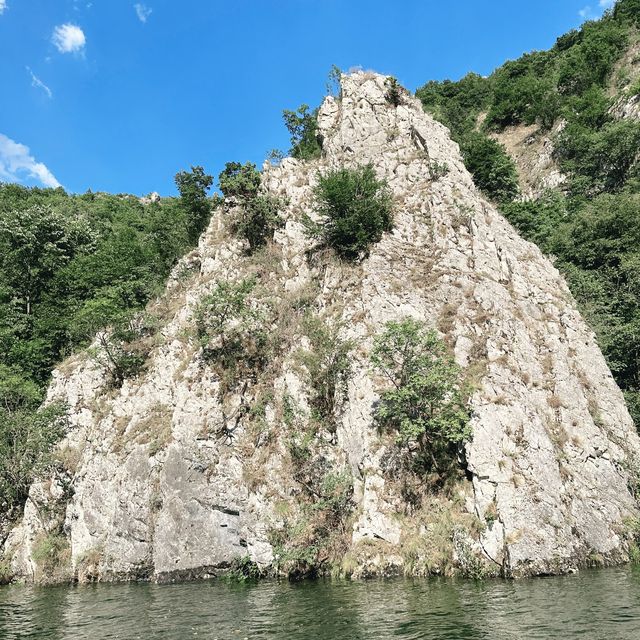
x=302, y=125
x=259, y=213
x=327, y=366
x=240, y=181
x=494, y=172
x=424, y=405
x=393, y=94
x=27, y=435
x=231, y=331
x=355, y=209
x=314, y=541
x=193, y=187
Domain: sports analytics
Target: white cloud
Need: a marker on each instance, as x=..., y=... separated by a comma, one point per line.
x=3, y=5
x=142, y=11
x=68, y=38
x=589, y=13
x=17, y=164
x=36, y=82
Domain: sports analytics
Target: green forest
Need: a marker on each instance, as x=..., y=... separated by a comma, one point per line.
x=73, y=264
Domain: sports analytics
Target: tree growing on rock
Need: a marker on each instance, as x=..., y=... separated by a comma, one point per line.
x=424, y=404
x=193, y=187
x=302, y=125
x=259, y=213
x=232, y=331
x=28, y=433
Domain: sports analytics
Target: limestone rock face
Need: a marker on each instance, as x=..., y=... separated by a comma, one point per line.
x=171, y=480
x=626, y=108
x=532, y=152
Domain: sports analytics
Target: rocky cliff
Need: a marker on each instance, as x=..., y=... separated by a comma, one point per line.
x=172, y=476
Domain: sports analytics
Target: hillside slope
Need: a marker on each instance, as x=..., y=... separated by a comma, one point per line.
x=180, y=473
x=553, y=138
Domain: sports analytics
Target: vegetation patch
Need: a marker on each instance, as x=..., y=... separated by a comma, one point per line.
x=394, y=91
x=259, y=215
x=315, y=540
x=6, y=572
x=28, y=434
x=243, y=569
x=52, y=556
x=327, y=366
x=424, y=404
x=355, y=209
x=232, y=331
x=302, y=125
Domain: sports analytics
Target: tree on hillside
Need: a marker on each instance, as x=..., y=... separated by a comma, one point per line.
x=193, y=187
x=302, y=124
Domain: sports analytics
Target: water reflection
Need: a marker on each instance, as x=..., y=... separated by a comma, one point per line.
x=591, y=605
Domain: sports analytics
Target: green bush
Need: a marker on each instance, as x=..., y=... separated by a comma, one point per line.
x=232, y=331
x=599, y=160
x=315, y=542
x=627, y=11
x=243, y=569
x=425, y=405
x=355, y=209
x=393, y=94
x=239, y=180
x=327, y=366
x=520, y=87
x=258, y=220
x=51, y=552
x=302, y=125
x=27, y=436
x=494, y=172
x=591, y=59
x=259, y=214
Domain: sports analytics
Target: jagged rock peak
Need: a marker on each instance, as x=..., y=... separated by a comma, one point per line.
x=173, y=476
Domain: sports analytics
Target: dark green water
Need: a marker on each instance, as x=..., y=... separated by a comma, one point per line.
x=601, y=604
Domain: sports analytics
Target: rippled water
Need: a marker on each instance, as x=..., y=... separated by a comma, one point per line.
x=590, y=605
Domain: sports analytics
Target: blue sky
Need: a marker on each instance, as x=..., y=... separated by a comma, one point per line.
x=119, y=95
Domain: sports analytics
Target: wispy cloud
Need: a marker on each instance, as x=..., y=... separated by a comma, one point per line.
x=142, y=11
x=17, y=164
x=589, y=13
x=68, y=38
x=36, y=82
x=3, y=6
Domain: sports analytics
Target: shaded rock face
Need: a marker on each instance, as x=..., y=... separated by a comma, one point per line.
x=171, y=480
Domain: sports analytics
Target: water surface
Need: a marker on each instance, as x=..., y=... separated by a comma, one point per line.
x=598, y=605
